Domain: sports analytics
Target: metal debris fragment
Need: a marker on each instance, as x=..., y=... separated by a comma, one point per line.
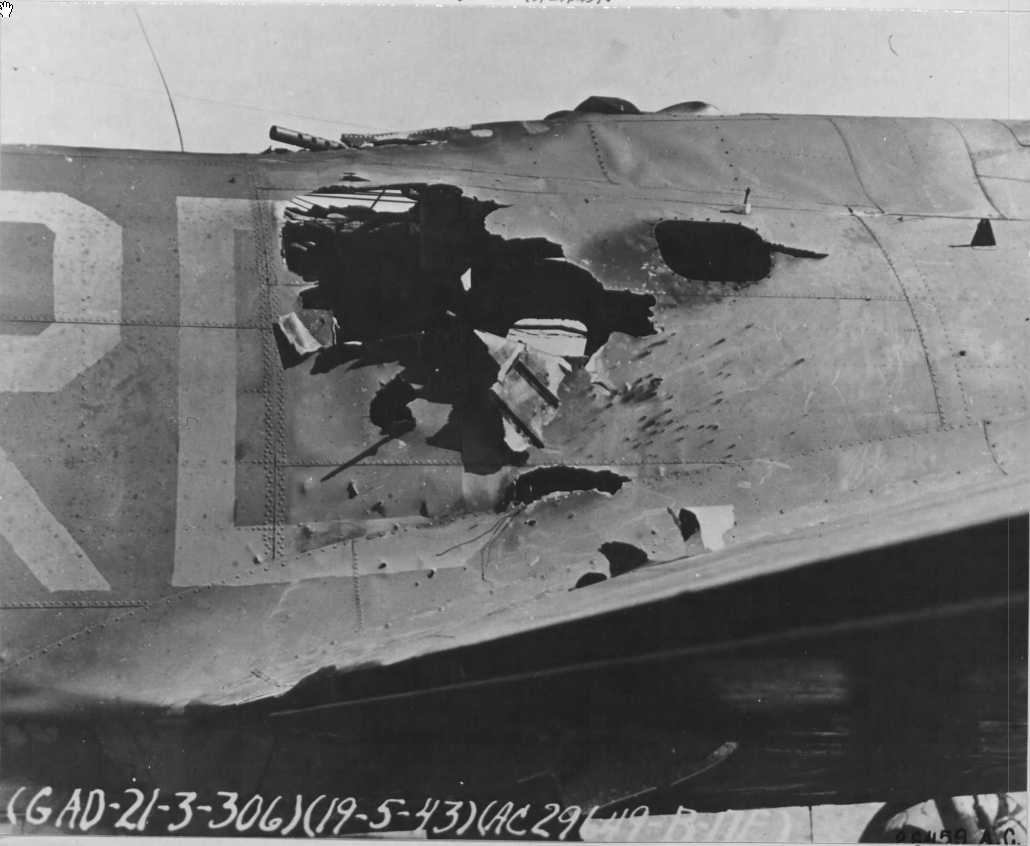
x=302, y=139
x=310, y=331
x=559, y=337
x=526, y=389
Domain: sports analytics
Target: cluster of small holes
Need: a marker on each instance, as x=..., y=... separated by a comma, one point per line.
x=178, y=596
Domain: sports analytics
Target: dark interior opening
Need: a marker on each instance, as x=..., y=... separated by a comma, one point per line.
x=399, y=270
x=408, y=271
x=623, y=557
x=536, y=484
x=688, y=523
x=713, y=251
x=591, y=578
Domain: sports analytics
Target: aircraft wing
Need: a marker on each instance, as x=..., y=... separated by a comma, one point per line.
x=530, y=353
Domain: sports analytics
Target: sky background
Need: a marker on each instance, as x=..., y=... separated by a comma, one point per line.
x=83, y=75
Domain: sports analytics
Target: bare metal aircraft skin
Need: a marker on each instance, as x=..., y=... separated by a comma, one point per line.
x=507, y=401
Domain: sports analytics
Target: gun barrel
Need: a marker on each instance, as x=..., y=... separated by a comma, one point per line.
x=302, y=139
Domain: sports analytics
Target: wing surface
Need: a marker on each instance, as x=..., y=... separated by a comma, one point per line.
x=192, y=518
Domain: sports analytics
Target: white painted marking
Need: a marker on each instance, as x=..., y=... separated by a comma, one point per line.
x=205, y=535
x=39, y=539
x=208, y=544
x=87, y=266
x=87, y=280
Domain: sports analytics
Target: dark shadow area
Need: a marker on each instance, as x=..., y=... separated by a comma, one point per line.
x=368, y=452
x=900, y=582
x=893, y=675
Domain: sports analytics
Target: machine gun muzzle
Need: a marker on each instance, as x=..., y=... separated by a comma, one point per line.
x=301, y=139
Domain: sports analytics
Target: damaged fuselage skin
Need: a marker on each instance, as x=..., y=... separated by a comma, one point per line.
x=264, y=419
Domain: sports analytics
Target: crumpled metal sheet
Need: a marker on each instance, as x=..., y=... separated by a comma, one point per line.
x=310, y=331
x=526, y=389
x=554, y=336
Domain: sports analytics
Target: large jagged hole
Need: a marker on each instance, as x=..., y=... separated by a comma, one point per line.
x=489, y=325
x=719, y=252
x=392, y=260
x=538, y=483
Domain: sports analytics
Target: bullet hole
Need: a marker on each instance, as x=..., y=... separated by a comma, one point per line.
x=352, y=491
x=538, y=483
x=591, y=578
x=688, y=523
x=643, y=389
x=623, y=557
x=382, y=565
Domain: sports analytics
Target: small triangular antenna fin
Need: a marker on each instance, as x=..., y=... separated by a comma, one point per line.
x=984, y=235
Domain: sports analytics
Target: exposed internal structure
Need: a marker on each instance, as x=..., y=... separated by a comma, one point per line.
x=491, y=326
